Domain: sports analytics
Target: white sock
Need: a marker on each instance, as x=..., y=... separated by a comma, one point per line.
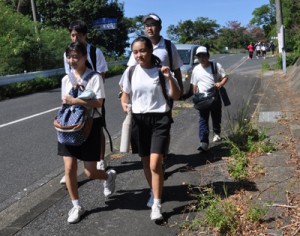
x=75, y=202
x=156, y=201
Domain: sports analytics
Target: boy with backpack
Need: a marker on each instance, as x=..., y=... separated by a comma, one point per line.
x=164, y=49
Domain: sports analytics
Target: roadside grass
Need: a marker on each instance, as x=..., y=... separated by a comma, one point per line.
x=230, y=215
x=265, y=66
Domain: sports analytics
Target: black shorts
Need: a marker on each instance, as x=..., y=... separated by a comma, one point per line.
x=89, y=150
x=150, y=133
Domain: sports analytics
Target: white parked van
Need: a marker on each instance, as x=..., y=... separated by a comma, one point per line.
x=187, y=52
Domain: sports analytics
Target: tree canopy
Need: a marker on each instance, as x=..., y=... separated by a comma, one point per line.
x=58, y=14
x=35, y=45
x=24, y=50
x=193, y=31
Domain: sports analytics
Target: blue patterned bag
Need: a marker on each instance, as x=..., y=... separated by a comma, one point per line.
x=74, y=122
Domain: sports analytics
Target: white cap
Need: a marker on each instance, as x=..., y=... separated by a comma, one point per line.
x=201, y=49
x=152, y=16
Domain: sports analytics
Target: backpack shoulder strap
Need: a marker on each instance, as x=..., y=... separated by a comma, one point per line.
x=88, y=77
x=131, y=70
x=93, y=57
x=162, y=82
x=169, y=50
x=72, y=78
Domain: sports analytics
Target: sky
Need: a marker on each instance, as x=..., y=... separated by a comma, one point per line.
x=174, y=11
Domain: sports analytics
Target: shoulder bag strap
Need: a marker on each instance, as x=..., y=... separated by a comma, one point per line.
x=169, y=50
x=214, y=71
x=93, y=57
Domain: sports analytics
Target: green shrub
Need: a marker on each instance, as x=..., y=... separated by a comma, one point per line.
x=256, y=213
x=115, y=70
x=28, y=87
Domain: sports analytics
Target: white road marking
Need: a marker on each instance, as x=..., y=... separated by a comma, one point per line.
x=28, y=117
x=244, y=59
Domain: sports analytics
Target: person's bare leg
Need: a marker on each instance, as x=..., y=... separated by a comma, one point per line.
x=71, y=176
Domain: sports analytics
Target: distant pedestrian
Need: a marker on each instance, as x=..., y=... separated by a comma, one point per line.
x=148, y=88
x=89, y=151
x=258, y=50
x=272, y=48
x=203, y=81
x=95, y=61
x=250, y=50
x=263, y=51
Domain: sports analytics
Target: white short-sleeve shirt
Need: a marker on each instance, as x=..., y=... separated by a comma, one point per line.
x=95, y=84
x=203, y=77
x=146, y=91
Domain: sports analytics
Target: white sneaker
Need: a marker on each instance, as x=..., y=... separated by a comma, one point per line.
x=75, y=213
x=63, y=180
x=156, y=212
x=216, y=138
x=109, y=185
x=101, y=165
x=203, y=147
x=151, y=200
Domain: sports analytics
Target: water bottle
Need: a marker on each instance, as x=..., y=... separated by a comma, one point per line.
x=126, y=131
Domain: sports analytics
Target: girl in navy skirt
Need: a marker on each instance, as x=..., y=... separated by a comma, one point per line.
x=89, y=151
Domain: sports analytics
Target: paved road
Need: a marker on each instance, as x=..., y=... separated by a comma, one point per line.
x=30, y=169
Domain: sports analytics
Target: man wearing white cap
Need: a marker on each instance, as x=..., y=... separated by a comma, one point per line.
x=203, y=81
x=152, y=27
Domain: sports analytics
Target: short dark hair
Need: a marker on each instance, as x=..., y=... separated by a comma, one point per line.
x=145, y=40
x=79, y=26
x=76, y=46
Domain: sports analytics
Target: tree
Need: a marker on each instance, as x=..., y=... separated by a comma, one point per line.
x=23, y=50
x=57, y=13
x=135, y=25
x=291, y=20
x=256, y=34
x=233, y=35
x=264, y=17
x=198, y=31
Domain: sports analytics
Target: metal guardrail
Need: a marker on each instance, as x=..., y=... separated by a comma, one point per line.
x=10, y=79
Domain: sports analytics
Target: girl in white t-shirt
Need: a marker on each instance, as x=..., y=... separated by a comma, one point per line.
x=89, y=151
x=148, y=89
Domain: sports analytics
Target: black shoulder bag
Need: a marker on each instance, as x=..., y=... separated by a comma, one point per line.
x=222, y=90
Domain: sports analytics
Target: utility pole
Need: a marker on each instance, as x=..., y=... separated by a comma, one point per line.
x=34, y=15
x=280, y=33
